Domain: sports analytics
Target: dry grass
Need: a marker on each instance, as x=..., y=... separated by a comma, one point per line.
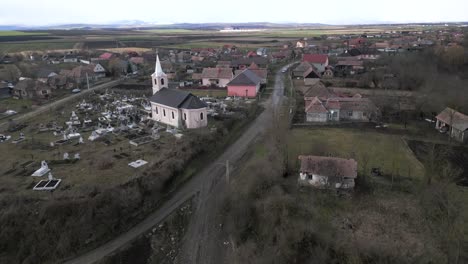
x=389, y=152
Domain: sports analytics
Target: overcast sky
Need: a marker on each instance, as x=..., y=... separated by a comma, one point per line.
x=47, y=12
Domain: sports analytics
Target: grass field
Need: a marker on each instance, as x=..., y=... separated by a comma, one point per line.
x=176, y=31
x=35, y=46
x=389, y=152
x=9, y=33
x=16, y=105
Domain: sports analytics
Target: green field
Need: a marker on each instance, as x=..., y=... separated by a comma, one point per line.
x=176, y=31
x=388, y=152
x=9, y=33
x=35, y=46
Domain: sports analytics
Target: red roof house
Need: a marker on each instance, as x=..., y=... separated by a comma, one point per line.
x=106, y=56
x=319, y=61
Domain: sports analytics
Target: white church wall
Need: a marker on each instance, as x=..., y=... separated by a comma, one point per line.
x=166, y=115
x=195, y=118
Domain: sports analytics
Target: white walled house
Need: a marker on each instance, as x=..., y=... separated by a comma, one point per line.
x=174, y=107
x=99, y=71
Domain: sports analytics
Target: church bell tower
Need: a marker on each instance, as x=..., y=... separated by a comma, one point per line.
x=158, y=78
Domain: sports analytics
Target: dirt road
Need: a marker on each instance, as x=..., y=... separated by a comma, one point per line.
x=202, y=242
x=48, y=107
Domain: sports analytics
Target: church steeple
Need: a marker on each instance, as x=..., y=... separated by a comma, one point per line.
x=159, y=78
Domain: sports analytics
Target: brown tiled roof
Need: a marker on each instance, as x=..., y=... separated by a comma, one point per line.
x=319, y=90
x=453, y=118
x=217, y=73
x=315, y=58
x=79, y=71
x=333, y=104
x=329, y=166
x=355, y=104
x=304, y=66
x=315, y=106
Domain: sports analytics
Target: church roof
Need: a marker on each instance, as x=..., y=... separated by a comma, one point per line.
x=177, y=99
x=192, y=102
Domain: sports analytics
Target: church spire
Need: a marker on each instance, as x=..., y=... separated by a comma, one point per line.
x=159, y=78
x=158, y=69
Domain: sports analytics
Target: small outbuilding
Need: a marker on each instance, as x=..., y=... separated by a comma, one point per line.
x=453, y=122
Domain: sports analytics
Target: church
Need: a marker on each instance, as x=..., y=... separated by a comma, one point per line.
x=175, y=107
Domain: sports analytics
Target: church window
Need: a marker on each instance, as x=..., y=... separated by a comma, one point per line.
x=162, y=81
x=201, y=116
x=155, y=81
x=185, y=116
x=156, y=110
x=173, y=115
x=164, y=112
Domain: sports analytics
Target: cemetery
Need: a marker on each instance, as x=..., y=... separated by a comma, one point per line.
x=99, y=141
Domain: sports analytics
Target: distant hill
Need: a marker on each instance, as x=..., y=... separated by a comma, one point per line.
x=138, y=24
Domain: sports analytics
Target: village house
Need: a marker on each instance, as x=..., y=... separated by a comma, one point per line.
x=80, y=74
x=219, y=77
x=174, y=107
x=454, y=123
x=45, y=74
x=349, y=67
x=300, y=44
x=302, y=70
x=244, y=63
x=106, y=56
x=322, y=105
x=69, y=58
x=99, y=71
x=327, y=172
x=319, y=61
x=337, y=109
x=31, y=89
x=58, y=82
x=262, y=73
x=246, y=84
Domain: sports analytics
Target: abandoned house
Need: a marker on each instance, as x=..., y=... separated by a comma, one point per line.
x=453, y=122
x=323, y=106
x=327, y=172
x=32, y=89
